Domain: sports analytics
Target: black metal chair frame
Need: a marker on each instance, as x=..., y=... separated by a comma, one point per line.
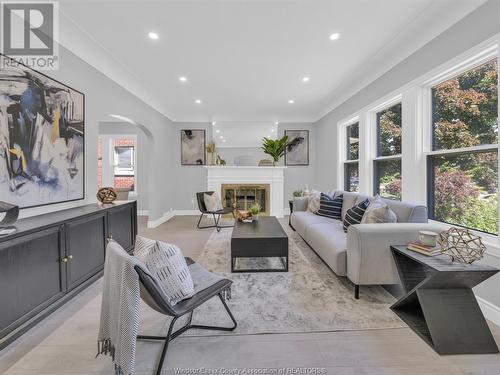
x=216, y=214
x=153, y=296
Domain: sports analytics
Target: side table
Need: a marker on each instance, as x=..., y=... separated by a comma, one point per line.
x=439, y=304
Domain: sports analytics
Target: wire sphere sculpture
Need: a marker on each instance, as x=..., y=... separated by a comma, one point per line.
x=106, y=195
x=461, y=245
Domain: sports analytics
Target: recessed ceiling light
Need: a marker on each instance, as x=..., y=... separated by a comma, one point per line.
x=197, y=101
x=276, y=123
x=272, y=130
x=305, y=79
x=334, y=36
x=214, y=123
x=217, y=131
x=221, y=137
x=153, y=35
x=291, y=101
x=223, y=141
x=182, y=79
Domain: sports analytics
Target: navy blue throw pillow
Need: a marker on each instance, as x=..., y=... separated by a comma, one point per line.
x=355, y=214
x=331, y=207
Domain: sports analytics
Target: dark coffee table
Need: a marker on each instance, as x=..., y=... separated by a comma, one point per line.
x=264, y=238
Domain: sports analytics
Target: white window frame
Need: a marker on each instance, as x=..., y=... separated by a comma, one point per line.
x=453, y=69
x=108, y=162
x=373, y=138
x=342, y=150
x=416, y=133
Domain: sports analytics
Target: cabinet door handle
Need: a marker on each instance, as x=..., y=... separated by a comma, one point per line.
x=70, y=257
x=64, y=260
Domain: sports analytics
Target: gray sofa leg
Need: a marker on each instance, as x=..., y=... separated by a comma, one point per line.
x=356, y=291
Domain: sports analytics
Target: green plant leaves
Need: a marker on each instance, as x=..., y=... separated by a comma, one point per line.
x=275, y=147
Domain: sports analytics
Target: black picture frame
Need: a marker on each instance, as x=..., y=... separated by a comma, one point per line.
x=84, y=164
x=204, y=154
x=287, y=132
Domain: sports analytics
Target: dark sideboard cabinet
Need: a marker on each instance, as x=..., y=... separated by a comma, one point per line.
x=52, y=257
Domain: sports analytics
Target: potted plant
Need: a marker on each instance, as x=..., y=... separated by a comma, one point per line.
x=297, y=193
x=275, y=147
x=255, y=210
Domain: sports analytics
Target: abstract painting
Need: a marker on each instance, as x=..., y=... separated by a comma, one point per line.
x=193, y=147
x=297, y=151
x=41, y=138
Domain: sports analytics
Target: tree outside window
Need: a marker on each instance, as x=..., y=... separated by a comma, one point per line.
x=463, y=167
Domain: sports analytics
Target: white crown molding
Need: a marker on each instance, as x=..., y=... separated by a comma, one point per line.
x=376, y=67
x=83, y=45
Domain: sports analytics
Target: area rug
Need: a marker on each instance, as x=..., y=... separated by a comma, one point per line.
x=308, y=298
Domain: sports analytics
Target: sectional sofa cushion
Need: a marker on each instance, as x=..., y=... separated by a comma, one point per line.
x=355, y=214
x=302, y=220
x=329, y=241
x=331, y=207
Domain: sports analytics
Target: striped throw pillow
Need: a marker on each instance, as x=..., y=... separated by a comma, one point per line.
x=355, y=214
x=331, y=207
x=166, y=262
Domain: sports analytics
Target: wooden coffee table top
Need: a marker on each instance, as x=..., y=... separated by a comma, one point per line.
x=265, y=227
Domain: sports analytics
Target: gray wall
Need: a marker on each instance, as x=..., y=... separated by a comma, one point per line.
x=102, y=98
x=143, y=156
x=478, y=26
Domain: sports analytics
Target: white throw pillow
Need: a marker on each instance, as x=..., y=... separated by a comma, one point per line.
x=313, y=200
x=212, y=202
x=166, y=262
x=378, y=212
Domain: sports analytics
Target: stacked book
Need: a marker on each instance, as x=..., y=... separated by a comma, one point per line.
x=424, y=249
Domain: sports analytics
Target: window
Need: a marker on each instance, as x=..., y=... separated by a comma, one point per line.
x=351, y=164
x=124, y=164
x=387, y=163
x=117, y=162
x=463, y=163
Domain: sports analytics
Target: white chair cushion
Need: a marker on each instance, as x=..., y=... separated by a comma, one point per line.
x=166, y=262
x=212, y=202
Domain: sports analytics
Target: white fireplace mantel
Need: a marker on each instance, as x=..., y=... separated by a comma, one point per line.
x=274, y=176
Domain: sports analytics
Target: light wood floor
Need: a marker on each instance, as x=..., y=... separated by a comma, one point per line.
x=393, y=351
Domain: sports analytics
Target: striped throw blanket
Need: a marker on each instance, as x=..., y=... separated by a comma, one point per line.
x=120, y=309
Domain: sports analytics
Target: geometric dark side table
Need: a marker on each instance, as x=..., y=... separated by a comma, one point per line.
x=439, y=304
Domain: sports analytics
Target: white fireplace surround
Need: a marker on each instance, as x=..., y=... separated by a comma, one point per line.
x=274, y=176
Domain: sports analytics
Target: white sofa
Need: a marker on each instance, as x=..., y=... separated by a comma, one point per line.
x=363, y=254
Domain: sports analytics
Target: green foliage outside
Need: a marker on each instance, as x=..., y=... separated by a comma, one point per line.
x=465, y=115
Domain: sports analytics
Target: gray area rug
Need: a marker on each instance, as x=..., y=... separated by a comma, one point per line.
x=308, y=298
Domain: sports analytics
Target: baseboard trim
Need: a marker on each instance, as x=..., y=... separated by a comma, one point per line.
x=490, y=311
x=142, y=213
x=186, y=212
x=166, y=217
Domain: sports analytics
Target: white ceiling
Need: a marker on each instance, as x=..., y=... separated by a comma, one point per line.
x=245, y=59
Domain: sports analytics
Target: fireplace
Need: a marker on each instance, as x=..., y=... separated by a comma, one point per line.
x=270, y=179
x=242, y=196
